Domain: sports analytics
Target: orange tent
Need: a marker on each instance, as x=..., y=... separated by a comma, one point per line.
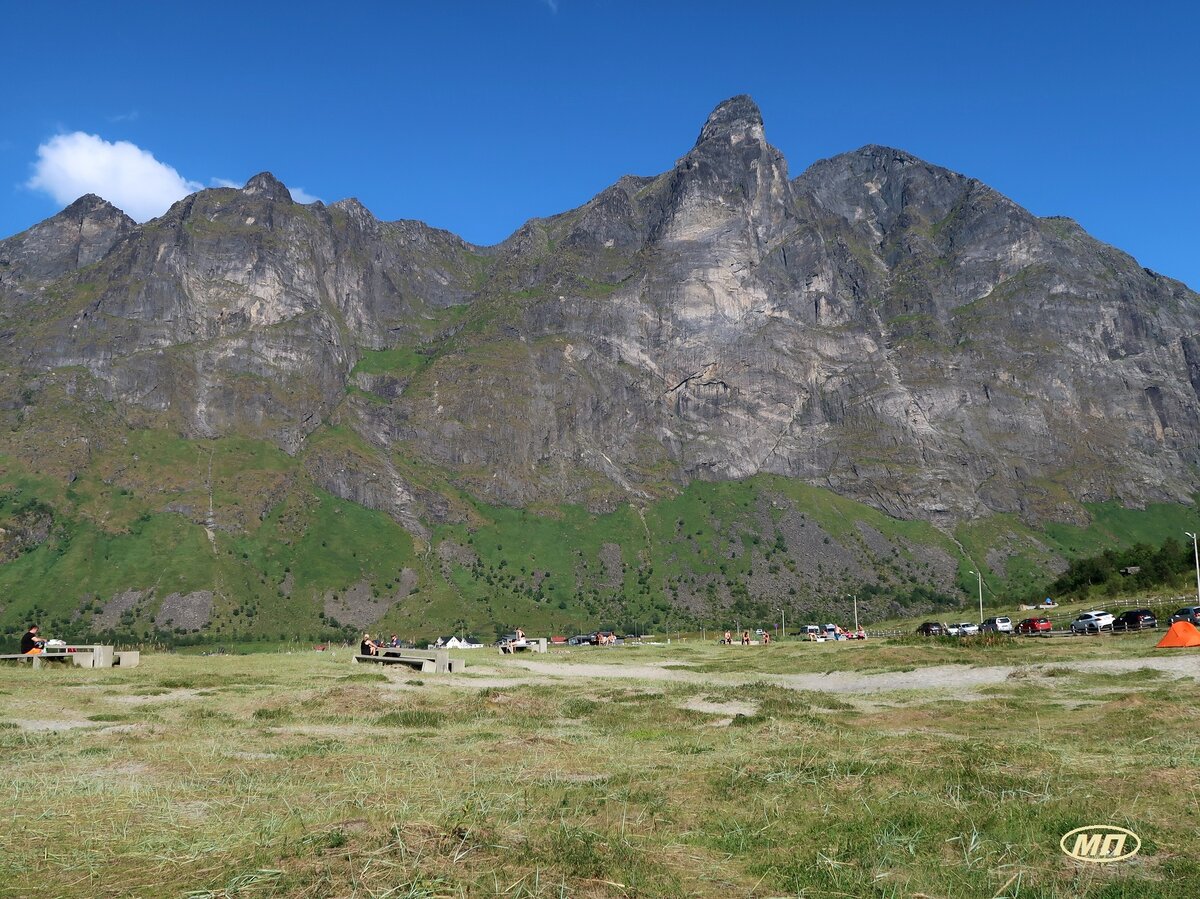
x=1181, y=633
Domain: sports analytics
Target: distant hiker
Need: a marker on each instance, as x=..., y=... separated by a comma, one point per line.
x=366, y=648
x=31, y=643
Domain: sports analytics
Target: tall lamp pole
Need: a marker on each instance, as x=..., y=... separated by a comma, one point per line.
x=854, y=596
x=1196, y=553
x=783, y=618
x=980, y=577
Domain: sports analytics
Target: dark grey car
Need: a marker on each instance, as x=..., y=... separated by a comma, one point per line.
x=1190, y=614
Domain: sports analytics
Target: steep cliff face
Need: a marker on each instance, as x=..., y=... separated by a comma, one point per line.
x=238, y=310
x=78, y=236
x=878, y=325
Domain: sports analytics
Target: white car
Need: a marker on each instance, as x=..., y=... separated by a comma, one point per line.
x=964, y=629
x=1092, y=622
x=999, y=625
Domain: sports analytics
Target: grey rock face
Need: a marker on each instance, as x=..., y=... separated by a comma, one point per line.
x=191, y=611
x=238, y=310
x=75, y=238
x=878, y=325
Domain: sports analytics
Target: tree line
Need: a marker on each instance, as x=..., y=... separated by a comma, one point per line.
x=1139, y=567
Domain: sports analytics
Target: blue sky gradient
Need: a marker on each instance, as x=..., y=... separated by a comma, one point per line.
x=475, y=116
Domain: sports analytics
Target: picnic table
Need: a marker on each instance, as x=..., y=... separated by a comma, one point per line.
x=513, y=646
x=81, y=655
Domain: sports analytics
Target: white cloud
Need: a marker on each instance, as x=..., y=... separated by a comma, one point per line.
x=70, y=165
x=300, y=195
x=74, y=164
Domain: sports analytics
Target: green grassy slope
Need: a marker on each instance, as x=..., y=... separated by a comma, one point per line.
x=284, y=559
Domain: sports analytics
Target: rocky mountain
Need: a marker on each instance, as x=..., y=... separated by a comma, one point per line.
x=894, y=332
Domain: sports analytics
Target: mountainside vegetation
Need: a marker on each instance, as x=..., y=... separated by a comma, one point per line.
x=1140, y=567
x=130, y=549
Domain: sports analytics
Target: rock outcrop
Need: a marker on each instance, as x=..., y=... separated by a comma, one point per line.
x=878, y=325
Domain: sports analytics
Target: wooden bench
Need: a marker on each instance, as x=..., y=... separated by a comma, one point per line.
x=435, y=661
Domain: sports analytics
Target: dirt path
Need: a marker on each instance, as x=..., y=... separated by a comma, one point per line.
x=959, y=678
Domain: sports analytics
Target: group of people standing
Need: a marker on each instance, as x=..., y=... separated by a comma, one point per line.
x=746, y=641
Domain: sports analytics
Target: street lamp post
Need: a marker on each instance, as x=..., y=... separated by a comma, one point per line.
x=783, y=618
x=1196, y=553
x=980, y=578
x=854, y=597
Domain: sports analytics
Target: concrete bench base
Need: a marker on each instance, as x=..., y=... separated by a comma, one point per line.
x=41, y=658
x=436, y=661
x=428, y=666
x=538, y=645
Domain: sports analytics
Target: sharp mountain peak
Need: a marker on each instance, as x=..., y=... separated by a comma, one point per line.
x=267, y=185
x=738, y=115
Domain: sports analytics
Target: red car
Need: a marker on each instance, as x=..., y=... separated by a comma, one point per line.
x=1034, y=626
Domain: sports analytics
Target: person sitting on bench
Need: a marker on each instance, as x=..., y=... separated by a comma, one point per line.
x=367, y=648
x=31, y=643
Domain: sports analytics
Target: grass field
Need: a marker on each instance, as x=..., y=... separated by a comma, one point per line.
x=883, y=769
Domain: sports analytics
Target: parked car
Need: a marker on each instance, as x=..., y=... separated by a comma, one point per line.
x=1190, y=614
x=580, y=640
x=1134, y=620
x=932, y=629
x=998, y=625
x=1092, y=622
x=1034, y=625
x=964, y=629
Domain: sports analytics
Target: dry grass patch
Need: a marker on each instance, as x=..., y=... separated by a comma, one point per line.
x=295, y=776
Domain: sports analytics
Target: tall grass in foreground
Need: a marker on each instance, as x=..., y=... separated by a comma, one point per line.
x=295, y=776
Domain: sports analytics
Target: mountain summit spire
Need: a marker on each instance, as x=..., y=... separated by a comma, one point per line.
x=736, y=116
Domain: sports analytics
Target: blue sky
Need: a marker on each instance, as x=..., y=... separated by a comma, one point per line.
x=475, y=116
